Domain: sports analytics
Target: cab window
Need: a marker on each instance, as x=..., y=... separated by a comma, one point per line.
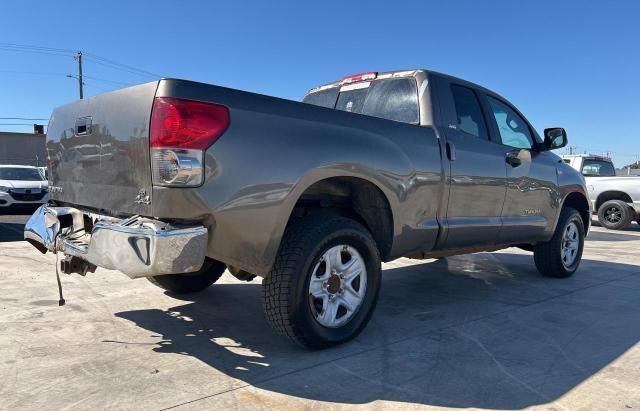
x=393, y=99
x=514, y=131
x=468, y=112
x=598, y=168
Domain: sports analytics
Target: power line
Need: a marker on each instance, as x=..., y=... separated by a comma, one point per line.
x=36, y=73
x=103, y=80
x=107, y=81
x=91, y=85
x=35, y=50
x=31, y=47
x=16, y=124
x=119, y=66
x=23, y=118
x=23, y=48
x=125, y=66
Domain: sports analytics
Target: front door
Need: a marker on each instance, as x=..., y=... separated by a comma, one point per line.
x=532, y=196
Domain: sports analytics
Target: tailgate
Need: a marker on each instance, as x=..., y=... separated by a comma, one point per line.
x=98, y=151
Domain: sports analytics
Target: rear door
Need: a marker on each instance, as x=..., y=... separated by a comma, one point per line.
x=477, y=172
x=98, y=151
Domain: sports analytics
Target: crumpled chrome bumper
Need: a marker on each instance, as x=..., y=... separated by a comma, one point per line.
x=136, y=246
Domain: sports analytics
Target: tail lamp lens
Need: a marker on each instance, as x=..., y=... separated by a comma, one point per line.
x=180, y=132
x=190, y=124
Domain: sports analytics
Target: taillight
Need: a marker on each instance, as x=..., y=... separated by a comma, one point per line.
x=179, y=133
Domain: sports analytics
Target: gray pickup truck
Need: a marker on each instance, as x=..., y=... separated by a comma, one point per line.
x=177, y=181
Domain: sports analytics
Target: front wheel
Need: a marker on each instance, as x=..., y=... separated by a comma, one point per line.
x=210, y=272
x=561, y=256
x=324, y=283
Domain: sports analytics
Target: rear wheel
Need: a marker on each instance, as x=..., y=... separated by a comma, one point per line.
x=210, y=272
x=561, y=256
x=324, y=283
x=615, y=215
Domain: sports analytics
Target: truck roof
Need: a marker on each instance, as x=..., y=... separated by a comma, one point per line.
x=590, y=156
x=401, y=73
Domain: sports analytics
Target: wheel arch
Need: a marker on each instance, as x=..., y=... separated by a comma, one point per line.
x=612, y=195
x=579, y=202
x=353, y=197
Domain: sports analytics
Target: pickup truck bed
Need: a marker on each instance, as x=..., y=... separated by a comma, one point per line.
x=369, y=168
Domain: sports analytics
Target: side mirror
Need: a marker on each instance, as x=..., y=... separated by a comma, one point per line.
x=554, y=138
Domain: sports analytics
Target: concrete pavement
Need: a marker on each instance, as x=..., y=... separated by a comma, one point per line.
x=477, y=331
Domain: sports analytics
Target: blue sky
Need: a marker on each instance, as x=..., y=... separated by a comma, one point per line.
x=563, y=63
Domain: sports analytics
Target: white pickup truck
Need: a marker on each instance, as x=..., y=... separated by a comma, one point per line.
x=616, y=199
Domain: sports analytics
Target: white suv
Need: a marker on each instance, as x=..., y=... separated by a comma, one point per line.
x=22, y=186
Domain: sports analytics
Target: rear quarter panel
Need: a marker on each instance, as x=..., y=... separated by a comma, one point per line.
x=274, y=149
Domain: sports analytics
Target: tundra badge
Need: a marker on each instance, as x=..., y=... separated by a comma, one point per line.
x=142, y=198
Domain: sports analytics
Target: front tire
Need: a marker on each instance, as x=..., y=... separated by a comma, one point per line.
x=560, y=257
x=615, y=215
x=210, y=272
x=324, y=284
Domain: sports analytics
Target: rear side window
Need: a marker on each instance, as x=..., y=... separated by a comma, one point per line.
x=392, y=99
x=468, y=112
x=598, y=168
x=325, y=98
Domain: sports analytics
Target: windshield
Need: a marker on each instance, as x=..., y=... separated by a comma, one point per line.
x=22, y=174
x=393, y=99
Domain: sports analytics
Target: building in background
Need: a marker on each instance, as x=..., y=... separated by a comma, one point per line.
x=23, y=149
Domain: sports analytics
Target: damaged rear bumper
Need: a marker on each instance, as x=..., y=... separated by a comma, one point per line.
x=136, y=246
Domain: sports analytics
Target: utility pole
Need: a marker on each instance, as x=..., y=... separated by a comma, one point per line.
x=79, y=58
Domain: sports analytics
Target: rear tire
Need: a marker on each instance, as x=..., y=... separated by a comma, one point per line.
x=560, y=257
x=615, y=215
x=210, y=272
x=325, y=281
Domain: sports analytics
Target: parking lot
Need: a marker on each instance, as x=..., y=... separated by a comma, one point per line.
x=481, y=331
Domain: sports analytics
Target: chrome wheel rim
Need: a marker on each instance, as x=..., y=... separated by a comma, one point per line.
x=570, y=245
x=338, y=285
x=613, y=214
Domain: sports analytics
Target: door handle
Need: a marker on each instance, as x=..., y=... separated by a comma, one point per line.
x=513, y=160
x=451, y=151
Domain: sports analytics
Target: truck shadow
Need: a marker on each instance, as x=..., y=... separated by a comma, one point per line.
x=483, y=330
x=611, y=236
x=633, y=227
x=11, y=232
